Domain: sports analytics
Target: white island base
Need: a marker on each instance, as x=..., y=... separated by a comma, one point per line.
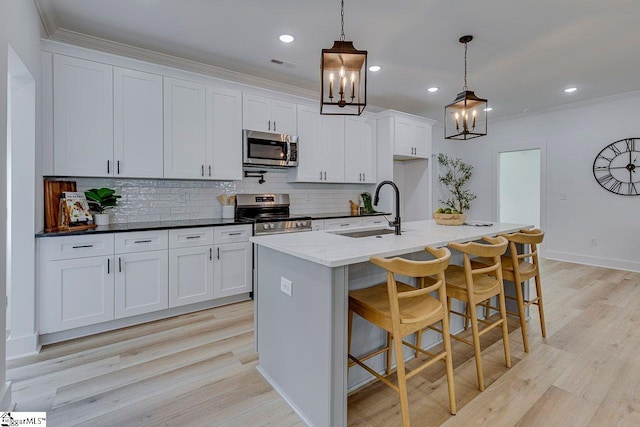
x=302, y=338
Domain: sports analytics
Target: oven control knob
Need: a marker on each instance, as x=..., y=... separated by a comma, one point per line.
x=298, y=224
x=305, y=223
x=268, y=226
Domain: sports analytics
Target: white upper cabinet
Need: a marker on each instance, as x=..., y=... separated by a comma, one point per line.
x=359, y=151
x=184, y=129
x=138, y=136
x=410, y=136
x=268, y=115
x=332, y=143
x=82, y=117
x=224, y=134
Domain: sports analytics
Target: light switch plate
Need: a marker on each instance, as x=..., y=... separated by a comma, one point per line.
x=286, y=286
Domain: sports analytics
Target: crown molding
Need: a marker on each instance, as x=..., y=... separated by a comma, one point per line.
x=47, y=16
x=95, y=43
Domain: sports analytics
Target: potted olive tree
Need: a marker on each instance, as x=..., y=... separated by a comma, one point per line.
x=100, y=200
x=456, y=176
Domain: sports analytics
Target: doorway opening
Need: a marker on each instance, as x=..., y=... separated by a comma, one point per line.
x=519, y=190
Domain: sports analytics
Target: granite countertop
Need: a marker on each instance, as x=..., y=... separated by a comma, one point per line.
x=331, y=249
x=146, y=226
x=331, y=215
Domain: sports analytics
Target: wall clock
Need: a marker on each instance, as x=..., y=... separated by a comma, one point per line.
x=617, y=167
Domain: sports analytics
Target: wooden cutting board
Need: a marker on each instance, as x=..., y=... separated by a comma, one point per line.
x=52, y=192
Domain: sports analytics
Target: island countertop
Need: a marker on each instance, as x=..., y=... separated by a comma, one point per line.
x=334, y=250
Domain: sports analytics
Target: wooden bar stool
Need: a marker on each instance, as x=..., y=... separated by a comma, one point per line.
x=473, y=286
x=516, y=269
x=401, y=310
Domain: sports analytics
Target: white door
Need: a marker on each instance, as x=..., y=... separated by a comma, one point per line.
x=232, y=269
x=184, y=129
x=332, y=145
x=283, y=117
x=80, y=291
x=142, y=284
x=422, y=141
x=138, y=133
x=519, y=192
x=256, y=113
x=83, y=117
x=404, y=137
x=224, y=134
x=359, y=151
x=310, y=167
x=190, y=275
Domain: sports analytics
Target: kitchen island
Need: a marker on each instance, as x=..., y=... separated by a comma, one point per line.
x=301, y=291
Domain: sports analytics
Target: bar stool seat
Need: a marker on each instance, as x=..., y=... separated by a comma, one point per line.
x=457, y=283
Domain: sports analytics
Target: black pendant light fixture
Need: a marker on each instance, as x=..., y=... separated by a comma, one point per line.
x=466, y=117
x=343, y=77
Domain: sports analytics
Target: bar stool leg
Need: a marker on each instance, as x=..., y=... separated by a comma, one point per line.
x=418, y=342
x=446, y=342
x=521, y=313
x=540, y=306
x=476, y=346
x=389, y=338
x=505, y=328
x=402, y=381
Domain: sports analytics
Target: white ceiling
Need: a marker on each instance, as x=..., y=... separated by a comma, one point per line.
x=523, y=54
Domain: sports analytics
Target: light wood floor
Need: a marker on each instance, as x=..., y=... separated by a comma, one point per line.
x=199, y=370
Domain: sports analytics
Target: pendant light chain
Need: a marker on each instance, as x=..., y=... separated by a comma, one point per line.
x=342, y=19
x=465, y=67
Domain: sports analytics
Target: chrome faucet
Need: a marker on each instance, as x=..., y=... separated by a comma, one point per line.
x=376, y=199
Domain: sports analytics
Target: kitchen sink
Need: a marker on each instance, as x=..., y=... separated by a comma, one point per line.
x=367, y=233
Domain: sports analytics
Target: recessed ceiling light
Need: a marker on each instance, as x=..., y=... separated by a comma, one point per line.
x=286, y=38
x=488, y=109
x=433, y=89
x=571, y=89
x=375, y=68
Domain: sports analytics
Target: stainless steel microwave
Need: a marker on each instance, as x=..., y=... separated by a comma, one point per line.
x=269, y=149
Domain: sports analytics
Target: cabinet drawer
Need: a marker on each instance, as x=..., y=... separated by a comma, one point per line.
x=231, y=234
x=190, y=237
x=342, y=223
x=141, y=241
x=374, y=220
x=69, y=247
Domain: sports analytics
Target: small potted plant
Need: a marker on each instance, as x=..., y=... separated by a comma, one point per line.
x=100, y=200
x=456, y=175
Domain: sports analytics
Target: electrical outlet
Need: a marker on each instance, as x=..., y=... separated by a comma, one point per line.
x=593, y=241
x=286, y=286
x=563, y=195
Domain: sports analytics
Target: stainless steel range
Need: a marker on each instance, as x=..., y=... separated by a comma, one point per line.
x=270, y=214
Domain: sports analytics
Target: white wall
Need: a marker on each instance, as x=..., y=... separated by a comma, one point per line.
x=573, y=137
x=20, y=26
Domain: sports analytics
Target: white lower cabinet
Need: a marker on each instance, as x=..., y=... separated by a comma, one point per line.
x=342, y=223
x=232, y=272
x=77, y=292
x=190, y=275
x=142, y=284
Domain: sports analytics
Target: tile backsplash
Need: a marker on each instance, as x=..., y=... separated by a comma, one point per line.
x=164, y=199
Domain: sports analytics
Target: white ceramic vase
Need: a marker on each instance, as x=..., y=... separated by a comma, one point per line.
x=101, y=219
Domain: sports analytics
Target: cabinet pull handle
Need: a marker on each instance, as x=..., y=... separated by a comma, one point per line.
x=344, y=225
x=108, y=265
x=202, y=170
x=210, y=254
x=209, y=170
x=364, y=177
x=320, y=175
x=120, y=264
x=193, y=237
x=118, y=166
x=143, y=241
x=82, y=246
x=235, y=234
x=108, y=170
x=359, y=177
x=218, y=252
x=274, y=125
x=269, y=124
x=325, y=175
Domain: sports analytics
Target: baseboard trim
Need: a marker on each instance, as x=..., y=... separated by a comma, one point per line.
x=284, y=396
x=615, y=264
x=22, y=346
x=5, y=397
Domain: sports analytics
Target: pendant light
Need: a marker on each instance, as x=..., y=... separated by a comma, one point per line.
x=466, y=117
x=343, y=77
